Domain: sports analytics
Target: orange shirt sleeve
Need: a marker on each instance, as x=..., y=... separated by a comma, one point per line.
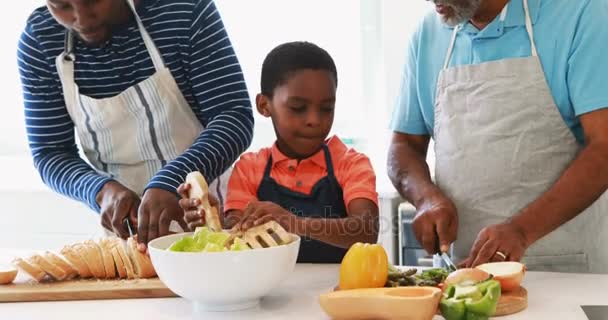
x=242, y=185
x=356, y=177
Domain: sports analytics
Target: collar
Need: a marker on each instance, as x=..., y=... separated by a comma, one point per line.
x=516, y=17
x=333, y=143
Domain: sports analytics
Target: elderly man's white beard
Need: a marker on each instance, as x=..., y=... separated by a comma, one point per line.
x=462, y=10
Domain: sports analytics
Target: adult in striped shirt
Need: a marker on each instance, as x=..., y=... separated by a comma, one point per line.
x=152, y=89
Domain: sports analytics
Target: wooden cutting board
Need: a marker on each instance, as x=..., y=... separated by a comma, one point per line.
x=512, y=302
x=26, y=291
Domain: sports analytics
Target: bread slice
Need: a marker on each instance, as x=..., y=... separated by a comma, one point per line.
x=199, y=189
x=141, y=262
x=30, y=268
x=92, y=257
x=118, y=268
x=7, y=274
x=72, y=256
x=119, y=246
x=108, y=261
x=48, y=267
x=70, y=271
x=121, y=270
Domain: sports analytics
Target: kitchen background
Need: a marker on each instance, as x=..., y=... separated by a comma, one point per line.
x=367, y=39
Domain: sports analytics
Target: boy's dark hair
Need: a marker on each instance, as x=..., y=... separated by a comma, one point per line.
x=287, y=58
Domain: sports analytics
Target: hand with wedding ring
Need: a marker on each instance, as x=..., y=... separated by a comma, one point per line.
x=497, y=243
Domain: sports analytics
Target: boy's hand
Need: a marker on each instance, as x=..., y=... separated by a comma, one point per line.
x=257, y=213
x=193, y=216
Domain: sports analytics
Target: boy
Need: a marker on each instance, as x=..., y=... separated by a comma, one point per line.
x=313, y=186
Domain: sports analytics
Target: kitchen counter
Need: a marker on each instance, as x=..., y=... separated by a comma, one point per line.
x=551, y=296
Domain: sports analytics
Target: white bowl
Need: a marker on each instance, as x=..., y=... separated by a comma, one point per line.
x=222, y=281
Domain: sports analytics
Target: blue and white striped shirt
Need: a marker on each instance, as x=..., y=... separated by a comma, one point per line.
x=194, y=45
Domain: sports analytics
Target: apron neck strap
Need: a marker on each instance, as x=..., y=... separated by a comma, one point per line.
x=328, y=163
x=530, y=29
x=448, y=56
x=155, y=55
x=268, y=167
x=68, y=46
x=503, y=16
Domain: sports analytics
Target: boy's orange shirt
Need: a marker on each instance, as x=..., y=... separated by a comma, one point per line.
x=353, y=171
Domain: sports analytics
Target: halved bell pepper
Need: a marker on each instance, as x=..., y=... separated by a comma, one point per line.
x=364, y=266
x=470, y=302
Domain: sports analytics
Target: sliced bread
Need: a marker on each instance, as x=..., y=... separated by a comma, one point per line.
x=30, y=268
x=50, y=268
x=92, y=257
x=7, y=274
x=76, y=260
x=108, y=261
x=119, y=246
x=107, y=245
x=69, y=270
x=141, y=262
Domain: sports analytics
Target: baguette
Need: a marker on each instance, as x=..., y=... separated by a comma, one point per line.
x=70, y=271
x=118, y=245
x=199, y=189
x=7, y=274
x=141, y=262
x=121, y=270
x=107, y=244
x=69, y=252
x=48, y=267
x=30, y=269
x=108, y=260
x=92, y=257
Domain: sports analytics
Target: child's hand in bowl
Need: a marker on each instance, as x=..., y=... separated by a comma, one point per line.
x=259, y=212
x=194, y=216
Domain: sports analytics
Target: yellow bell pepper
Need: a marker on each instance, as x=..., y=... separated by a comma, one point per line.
x=364, y=266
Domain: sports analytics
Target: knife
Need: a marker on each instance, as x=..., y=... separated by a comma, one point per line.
x=127, y=223
x=446, y=259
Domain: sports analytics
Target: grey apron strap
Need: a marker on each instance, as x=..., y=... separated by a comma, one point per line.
x=65, y=69
x=530, y=29
x=155, y=55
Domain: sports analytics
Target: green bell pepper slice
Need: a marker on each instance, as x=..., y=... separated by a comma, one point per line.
x=477, y=302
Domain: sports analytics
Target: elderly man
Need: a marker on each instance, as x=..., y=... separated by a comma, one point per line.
x=514, y=95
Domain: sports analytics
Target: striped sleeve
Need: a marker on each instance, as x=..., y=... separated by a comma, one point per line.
x=50, y=131
x=221, y=103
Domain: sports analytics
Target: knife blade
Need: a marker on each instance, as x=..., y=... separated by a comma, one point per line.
x=448, y=261
x=127, y=224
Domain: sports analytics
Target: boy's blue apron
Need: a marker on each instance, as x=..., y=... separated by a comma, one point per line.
x=325, y=201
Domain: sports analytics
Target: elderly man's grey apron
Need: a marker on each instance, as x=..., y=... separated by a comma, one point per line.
x=131, y=136
x=500, y=143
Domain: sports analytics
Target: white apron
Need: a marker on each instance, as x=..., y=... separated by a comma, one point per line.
x=131, y=136
x=500, y=142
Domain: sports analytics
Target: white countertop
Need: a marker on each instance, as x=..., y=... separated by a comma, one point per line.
x=551, y=296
